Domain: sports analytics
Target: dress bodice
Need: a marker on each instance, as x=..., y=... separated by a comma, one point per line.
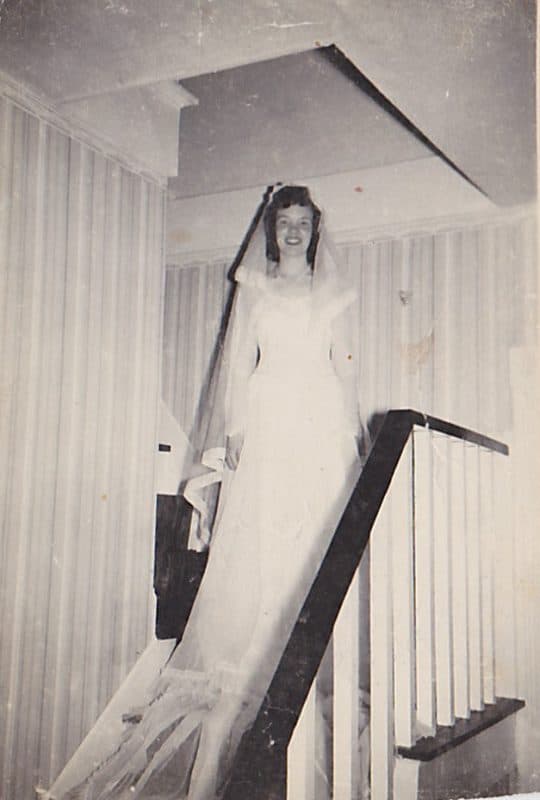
x=293, y=337
x=286, y=338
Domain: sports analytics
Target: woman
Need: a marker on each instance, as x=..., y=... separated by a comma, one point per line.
x=291, y=424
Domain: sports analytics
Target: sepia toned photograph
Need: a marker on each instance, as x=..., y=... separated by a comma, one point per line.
x=270, y=486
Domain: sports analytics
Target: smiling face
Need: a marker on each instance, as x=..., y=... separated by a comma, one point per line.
x=294, y=229
x=294, y=207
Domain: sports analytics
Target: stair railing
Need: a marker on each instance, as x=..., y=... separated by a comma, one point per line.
x=436, y=640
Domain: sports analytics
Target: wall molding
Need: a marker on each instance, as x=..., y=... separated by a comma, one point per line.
x=415, y=228
x=432, y=225
x=29, y=101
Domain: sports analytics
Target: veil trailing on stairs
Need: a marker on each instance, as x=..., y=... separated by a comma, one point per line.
x=283, y=383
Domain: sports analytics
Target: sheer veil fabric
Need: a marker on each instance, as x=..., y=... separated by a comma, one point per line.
x=285, y=378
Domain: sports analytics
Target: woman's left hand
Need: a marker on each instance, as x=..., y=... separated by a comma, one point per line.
x=363, y=444
x=233, y=449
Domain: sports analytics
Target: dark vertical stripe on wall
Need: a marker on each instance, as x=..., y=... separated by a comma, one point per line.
x=81, y=275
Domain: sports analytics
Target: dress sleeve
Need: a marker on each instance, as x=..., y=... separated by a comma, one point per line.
x=242, y=360
x=345, y=359
x=345, y=355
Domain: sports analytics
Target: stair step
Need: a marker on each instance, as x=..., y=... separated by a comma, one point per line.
x=449, y=736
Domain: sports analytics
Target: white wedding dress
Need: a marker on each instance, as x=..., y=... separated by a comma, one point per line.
x=296, y=471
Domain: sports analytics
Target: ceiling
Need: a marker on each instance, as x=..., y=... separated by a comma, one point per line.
x=462, y=72
x=281, y=119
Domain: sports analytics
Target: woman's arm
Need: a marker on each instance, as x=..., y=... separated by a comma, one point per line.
x=242, y=360
x=345, y=359
x=344, y=354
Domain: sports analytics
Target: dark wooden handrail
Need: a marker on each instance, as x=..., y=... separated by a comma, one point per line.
x=261, y=763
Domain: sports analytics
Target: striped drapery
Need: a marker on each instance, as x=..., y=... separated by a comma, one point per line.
x=81, y=248
x=438, y=316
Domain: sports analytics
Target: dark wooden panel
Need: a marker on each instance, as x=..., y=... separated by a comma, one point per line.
x=177, y=570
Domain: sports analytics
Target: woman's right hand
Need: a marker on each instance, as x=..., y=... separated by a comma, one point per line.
x=233, y=448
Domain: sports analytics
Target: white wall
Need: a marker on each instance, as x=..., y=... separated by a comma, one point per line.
x=526, y=529
x=368, y=202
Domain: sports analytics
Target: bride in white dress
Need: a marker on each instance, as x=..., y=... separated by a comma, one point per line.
x=292, y=424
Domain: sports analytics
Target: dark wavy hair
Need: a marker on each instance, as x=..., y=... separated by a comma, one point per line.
x=284, y=198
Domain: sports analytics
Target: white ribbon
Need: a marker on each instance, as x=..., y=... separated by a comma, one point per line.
x=214, y=459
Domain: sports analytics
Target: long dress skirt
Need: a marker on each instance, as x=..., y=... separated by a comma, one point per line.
x=296, y=471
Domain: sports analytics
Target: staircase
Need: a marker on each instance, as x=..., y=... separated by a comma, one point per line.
x=433, y=502
x=436, y=720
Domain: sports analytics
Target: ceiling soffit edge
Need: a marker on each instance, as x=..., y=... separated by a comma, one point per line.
x=64, y=121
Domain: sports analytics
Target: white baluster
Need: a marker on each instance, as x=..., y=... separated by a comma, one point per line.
x=459, y=555
x=301, y=752
x=346, y=698
x=382, y=687
x=442, y=580
x=324, y=734
x=403, y=600
x=474, y=586
x=487, y=523
x=424, y=577
x=505, y=608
